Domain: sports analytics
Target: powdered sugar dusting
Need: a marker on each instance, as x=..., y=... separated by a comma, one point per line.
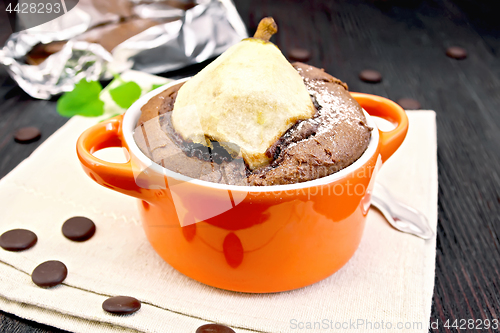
x=331, y=109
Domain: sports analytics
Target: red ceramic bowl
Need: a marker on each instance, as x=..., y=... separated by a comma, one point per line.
x=246, y=238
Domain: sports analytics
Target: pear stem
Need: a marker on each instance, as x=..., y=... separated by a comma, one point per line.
x=267, y=27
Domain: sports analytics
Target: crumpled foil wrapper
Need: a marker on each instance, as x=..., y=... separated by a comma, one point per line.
x=183, y=37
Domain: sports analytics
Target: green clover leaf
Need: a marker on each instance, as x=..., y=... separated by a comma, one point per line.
x=126, y=94
x=156, y=85
x=83, y=100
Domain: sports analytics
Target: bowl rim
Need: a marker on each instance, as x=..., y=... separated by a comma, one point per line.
x=132, y=115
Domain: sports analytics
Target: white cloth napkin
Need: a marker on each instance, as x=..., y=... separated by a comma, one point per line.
x=390, y=279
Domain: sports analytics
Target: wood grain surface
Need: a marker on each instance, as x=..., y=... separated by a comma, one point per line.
x=406, y=41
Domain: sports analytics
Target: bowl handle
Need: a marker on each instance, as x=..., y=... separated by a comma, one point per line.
x=116, y=176
x=389, y=110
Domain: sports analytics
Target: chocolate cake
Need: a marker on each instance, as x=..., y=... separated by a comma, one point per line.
x=335, y=137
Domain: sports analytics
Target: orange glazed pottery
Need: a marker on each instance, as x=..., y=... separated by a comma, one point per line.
x=246, y=238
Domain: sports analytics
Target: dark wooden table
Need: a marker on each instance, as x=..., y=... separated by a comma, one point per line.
x=405, y=40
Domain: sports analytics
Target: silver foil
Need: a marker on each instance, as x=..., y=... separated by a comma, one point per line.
x=190, y=37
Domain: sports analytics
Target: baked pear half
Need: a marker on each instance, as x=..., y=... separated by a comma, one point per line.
x=246, y=99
